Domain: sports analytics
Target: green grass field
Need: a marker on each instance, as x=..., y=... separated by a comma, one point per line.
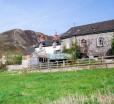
x=43, y=88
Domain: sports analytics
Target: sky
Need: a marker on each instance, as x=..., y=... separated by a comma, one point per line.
x=50, y=16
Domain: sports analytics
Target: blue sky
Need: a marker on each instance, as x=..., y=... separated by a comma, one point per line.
x=48, y=16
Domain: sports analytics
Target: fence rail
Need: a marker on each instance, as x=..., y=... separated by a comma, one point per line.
x=86, y=63
x=100, y=62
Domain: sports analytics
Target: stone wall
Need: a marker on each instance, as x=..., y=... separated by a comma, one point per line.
x=97, y=44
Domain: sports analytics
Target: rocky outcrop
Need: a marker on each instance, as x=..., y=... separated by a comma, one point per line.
x=18, y=40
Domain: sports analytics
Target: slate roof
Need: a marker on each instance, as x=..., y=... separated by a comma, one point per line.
x=48, y=43
x=95, y=28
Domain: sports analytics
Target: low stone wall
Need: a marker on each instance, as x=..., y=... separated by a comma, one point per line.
x=73, y=68
x=77, y=67
x=15, y=67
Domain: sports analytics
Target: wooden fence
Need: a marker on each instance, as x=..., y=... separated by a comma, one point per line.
x=100, y=62
x=80, y=64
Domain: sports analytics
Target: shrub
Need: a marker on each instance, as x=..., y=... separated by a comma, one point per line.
x=2, y=68
x=74, y=51
x=112, y=46
x=14, y=59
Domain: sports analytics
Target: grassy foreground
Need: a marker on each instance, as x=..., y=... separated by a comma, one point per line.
x=44, y=88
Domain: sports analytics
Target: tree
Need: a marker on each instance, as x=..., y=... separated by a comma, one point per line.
x=13, y=58
x=74, y=51
x=112, y=46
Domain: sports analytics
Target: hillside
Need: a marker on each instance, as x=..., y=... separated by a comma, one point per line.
x=19, y=41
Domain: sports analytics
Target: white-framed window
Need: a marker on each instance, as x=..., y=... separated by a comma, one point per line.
x=54, y=44
x=40, y=46
x=68, y=43
x=57, y=51
x=100, y=41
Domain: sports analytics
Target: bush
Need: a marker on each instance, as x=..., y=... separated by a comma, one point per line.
x=112, y=46
x=74, y=51
x=14, y=59
x=2, y=68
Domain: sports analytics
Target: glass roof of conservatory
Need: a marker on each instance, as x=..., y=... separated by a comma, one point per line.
x=58, y=56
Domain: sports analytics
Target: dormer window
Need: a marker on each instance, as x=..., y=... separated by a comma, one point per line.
x=40, y=46
x=54, y=44
x=100, y=41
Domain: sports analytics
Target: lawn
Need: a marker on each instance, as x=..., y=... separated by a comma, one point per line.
x=43, y=88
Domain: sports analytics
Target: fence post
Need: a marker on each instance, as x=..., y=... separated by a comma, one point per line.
x=78, y=63
x=106, y=66
x=89, y=63
x=40, y=66
x=63, y=63
x=48, y=64
x=102, y=60
x=57, y=64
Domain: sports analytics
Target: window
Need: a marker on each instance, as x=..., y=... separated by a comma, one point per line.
x=83, y=41
x=100, y=41
x=84, y=47
x=68, y=43
x=57, y=51
x=40, y=46
x=54, y=45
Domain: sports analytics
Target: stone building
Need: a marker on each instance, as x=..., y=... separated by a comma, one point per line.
x=93, y=39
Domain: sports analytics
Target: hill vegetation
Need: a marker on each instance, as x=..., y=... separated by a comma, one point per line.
x=19, y=41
